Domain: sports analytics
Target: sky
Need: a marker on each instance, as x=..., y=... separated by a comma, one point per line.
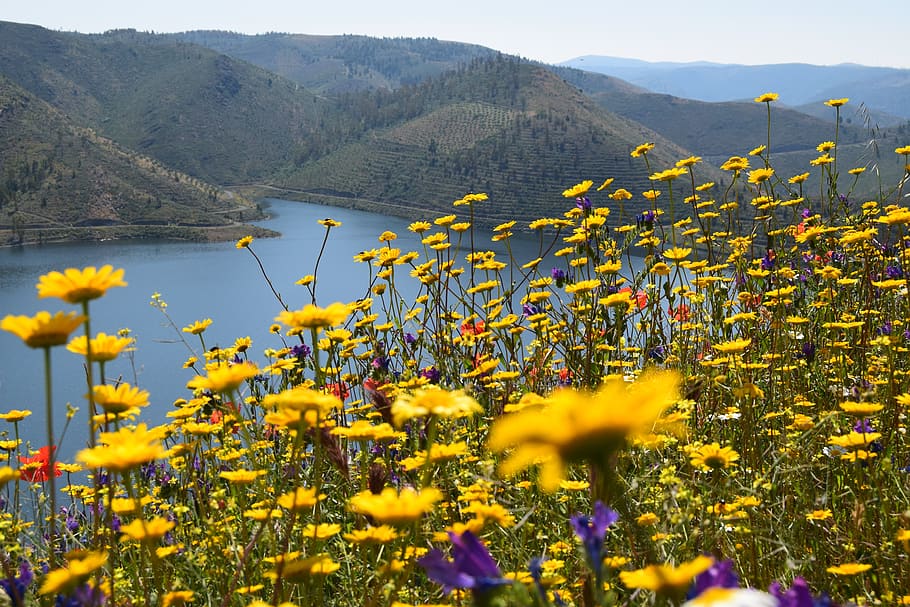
x=823, y=32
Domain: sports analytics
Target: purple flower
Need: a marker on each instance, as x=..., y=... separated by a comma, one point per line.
x=583, y=203
x=15, y=587
x=409, y=339
x=302, y=351
x=431, y=373
x=471, y=566
x=798, y=595
x=592, y=530
x=718, y=575
x=529, y=309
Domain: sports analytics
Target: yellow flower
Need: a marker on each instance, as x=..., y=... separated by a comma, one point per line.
x=65, y=580
x=314, y=317
x=668, y=175
x=849, y=569
x=713, y=457
x=433, y=401
x=177, y=598
x=147, y=532
x=322, y=530
x=621, y=194
x=419, y=227
x=862, y=409
x=819, y=515
x=760, y=175
x=298, y=570
x=15, y=415
x=198, y=327
x=687, y=162
x=733, y=347
x=388, y=236
x=651, y=194
x=125, y=449
x=244, y=243
x=224, y=378
x=735, y=163
x=241, y=477
x=837, y=102
x=854, y=439
x=903, y=150
x=576, y=426
x=677, y=253
x=799, y=178
x=372, y=535
x=605, y=184
x=300, y=499
x=393, y=508
x=642, y=149
x=7, y=474
x=119, y=399
x=43, y=330
x=578, y=189
x=825, y=146
x=78, y=286
x=666, y=578
x=329, y=223
x=104, y=347
x=301, y=398
x=767, y=98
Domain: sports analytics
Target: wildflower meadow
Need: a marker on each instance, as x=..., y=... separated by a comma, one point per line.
x=704, y=403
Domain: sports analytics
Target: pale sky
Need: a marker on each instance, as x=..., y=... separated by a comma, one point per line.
x=825, y=32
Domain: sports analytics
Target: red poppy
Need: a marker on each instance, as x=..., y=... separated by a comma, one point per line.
x=34, y=469
x=339, y=390
x=680, y=312
x=641, y=298
x=473, y=328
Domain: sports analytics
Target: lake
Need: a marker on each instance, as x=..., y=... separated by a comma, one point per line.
x=198, y=281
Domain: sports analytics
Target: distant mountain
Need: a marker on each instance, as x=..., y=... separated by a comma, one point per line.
x=879, y=88
x=713, y=129
x=63, y=181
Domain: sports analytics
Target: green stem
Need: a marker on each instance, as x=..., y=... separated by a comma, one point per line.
x=51, y=459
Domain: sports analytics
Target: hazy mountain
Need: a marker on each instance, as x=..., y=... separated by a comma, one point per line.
x=879, y=88
x=713, y=129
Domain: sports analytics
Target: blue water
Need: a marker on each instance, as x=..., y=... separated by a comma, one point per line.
x=197, y=280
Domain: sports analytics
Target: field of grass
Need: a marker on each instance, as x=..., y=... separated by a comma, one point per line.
x=722, y=425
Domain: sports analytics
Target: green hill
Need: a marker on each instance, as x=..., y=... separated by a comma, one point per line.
x=191, y=108
x=342, y=64
x=505, y=127
x=59, y=181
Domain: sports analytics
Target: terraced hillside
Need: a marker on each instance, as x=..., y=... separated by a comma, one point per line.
x=522, y=140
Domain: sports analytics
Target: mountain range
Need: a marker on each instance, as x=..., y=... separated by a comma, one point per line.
x=139, y=133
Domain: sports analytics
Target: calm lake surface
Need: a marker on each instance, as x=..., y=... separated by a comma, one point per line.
x=198, y=281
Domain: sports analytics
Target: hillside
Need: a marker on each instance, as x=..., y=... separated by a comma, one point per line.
x=60, y=181
x=505, y=127
x=203, y=113
x=342, y=64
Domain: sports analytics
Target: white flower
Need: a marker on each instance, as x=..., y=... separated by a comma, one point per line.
x=732, y=597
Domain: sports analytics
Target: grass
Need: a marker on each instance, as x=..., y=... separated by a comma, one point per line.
x=570, y=429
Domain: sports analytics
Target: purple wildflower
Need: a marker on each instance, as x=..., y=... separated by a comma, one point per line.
x=592, y=530
x=471, y=566
x=718, y=575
